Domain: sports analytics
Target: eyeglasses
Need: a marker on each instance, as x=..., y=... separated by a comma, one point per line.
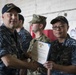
x=58, y=27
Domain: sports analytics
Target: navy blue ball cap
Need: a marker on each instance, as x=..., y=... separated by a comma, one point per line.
x=61, y=19
x=10, y=6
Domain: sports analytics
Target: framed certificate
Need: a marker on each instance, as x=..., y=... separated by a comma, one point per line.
x=40, y=51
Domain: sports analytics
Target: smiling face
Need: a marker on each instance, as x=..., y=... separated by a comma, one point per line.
x=60, y=29
x=10, y=19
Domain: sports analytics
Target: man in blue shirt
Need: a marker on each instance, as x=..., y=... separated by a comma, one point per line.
x=11, y=52
x=62, y=59
x=24, y=34
x=25, y=38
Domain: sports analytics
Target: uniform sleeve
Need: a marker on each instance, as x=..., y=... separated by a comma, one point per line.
x=26, y=43
x=45, y=39
x=25, y=39
x=3, y=46
x=74, y=55
x=31, y=45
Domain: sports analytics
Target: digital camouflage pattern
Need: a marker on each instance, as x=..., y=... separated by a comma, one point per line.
x=9, y=44
x=63, y=54
x=42, y=38
x=38, y=19
x=25, y=39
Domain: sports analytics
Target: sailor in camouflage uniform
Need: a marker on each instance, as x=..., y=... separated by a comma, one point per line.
x=62, y=58
x=38, y=24
x=11, y=52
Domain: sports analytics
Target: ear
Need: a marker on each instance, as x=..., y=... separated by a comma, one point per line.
x=67, y=27
x=41, y=26
x=2, y=16
x=20, y=21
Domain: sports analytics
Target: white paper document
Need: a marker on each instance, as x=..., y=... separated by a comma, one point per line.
x=40, y=51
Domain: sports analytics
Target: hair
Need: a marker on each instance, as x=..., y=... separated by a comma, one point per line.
x=44, y=24
x=21, y=18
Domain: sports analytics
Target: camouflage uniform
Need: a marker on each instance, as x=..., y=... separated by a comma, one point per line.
x=63, y=54
x=26, y=38
x=42, y=38
x=9, y=44
x=41, y=20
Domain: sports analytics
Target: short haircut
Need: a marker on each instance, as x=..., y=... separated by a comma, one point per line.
x=21, y=18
